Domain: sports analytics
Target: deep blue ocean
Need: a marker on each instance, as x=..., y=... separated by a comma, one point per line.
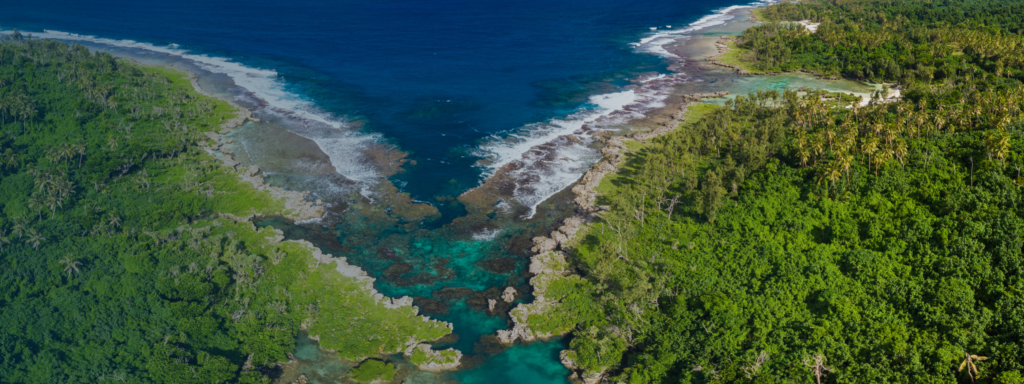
x=432, y=77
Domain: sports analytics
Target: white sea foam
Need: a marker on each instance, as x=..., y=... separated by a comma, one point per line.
x=343, y=145
x=545, y=158
x=655, y=42
x=486, y=235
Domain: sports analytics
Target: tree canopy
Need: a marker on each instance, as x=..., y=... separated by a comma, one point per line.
x=798, y=237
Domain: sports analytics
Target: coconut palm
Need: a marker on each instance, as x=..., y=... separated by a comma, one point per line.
x=53, y=201
x=80, y=151
x=70, y=265
x=34, y=238
x=19, y=227
x=969, y=364
x=36, y=203
x=998, y=145
x=65, y=151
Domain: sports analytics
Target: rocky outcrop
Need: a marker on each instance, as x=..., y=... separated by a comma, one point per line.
x=543, y=244
x=547, y=267
x=509, y=294
x=432, y=360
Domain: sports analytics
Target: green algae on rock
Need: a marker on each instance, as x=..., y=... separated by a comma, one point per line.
x=373, y=371
x=429, y=359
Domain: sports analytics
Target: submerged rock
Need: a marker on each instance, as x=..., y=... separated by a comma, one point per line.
x=397, y=269
x=500, y=265
x=431, y=306
x=450, y=293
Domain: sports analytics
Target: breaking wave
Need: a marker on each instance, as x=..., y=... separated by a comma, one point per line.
x=655, y=42
x=545, y=158
x=344, y=146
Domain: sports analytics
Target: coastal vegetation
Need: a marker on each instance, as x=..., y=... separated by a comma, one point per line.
x=125, y=249
x=373, y=370
x=800, y=237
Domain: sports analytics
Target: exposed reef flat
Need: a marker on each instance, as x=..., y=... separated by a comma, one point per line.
x=348, y=286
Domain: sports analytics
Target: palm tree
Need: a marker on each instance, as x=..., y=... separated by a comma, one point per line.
x=19, y=227
x=114, y=220
x=65, y=151
x=70, y=265
x=969, y=364
x=869, y=147
x=34, y=238
x=998, y=144
x=36, y=204
x=53, y=201
x=80, y=151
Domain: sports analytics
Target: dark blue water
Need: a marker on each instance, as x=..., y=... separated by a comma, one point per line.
x=433, y=77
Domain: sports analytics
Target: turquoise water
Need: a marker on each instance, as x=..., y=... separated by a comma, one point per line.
x=335, y=82
x=529, y=363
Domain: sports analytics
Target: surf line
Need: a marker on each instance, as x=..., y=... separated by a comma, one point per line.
x=345, y=147
x=542, y=159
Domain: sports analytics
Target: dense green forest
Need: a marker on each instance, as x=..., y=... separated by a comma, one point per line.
x=116, y=263
x=793, y=237
x=891, y=40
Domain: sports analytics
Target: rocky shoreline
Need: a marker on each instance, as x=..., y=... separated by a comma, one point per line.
x=722, y=46
x=297, y=208
x=549, y=261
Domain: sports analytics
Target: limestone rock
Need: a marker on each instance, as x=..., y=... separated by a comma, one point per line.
x=229, y=162
x=404, y=301
x=548, y=263
x=592, y=377
x=491, y=303
x=543, y=244
x=570, y=226
x=428, y=359
x=566, y=356
x=509, y=294
x=559, y=237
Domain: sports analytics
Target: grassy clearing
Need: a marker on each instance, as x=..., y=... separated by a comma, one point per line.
x=735, y=56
